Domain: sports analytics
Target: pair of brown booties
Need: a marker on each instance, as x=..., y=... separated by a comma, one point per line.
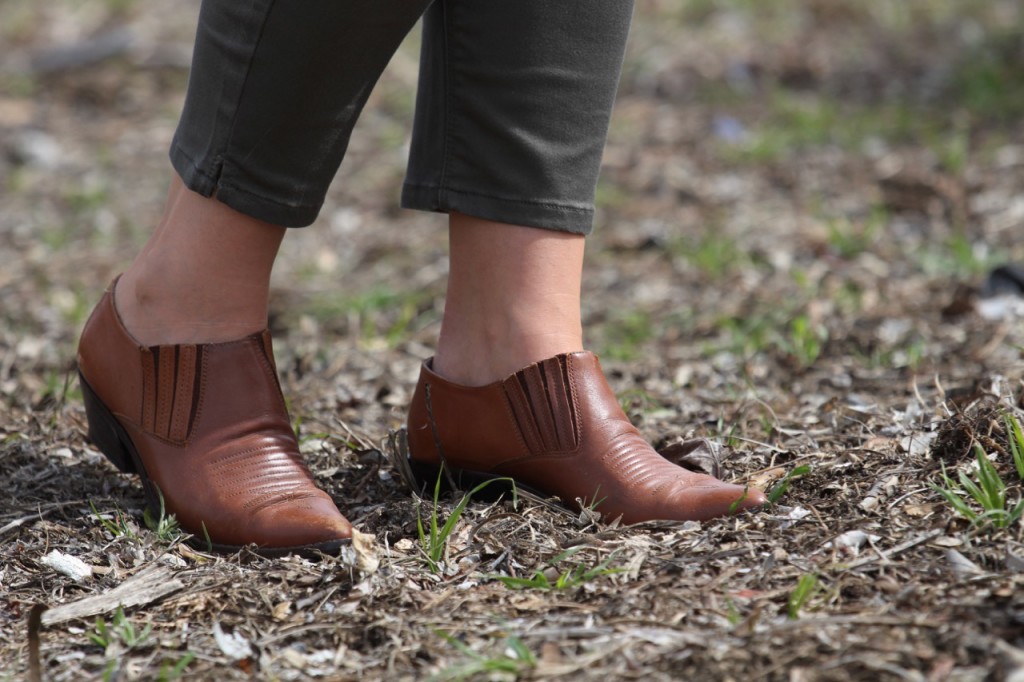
x=206, y=428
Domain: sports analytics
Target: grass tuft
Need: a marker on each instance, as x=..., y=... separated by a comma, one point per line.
x=120, y=526
x=164, y=525
x=988, y=492
x=173, y=670
x=121, y=630
x=776, y=493
x=806, y=588
x=1015, y=441
x=513, y=661
x=434, y=542
x=805, y=340
x=569, y=578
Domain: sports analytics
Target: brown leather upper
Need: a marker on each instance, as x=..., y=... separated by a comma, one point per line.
x=557, y=426
x=211, y=430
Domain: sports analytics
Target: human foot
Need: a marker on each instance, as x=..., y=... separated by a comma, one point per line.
x=206, y=428
x=555, y=426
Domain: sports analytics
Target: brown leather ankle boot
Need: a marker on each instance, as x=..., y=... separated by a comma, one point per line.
x=206, y=428
x=556, y=427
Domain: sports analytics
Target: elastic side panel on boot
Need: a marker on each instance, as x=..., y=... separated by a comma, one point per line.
x=171, y=382
x=543, y=408
x=563, y=408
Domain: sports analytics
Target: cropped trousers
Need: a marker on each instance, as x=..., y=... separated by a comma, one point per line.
x=512, y=106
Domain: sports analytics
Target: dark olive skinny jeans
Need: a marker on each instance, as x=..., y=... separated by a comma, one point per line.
x=511, y=115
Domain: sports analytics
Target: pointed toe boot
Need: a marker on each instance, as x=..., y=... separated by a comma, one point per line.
x=557, y=428
x=206, y=428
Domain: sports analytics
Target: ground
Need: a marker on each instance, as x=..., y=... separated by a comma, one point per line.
x=801, y=208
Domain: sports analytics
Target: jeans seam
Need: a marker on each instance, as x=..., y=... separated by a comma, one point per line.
x=196, y=167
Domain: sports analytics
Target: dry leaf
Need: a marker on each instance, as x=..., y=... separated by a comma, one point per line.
x=361, y=554
x=764, y=479
x=962, y=566
x=919, y=510
x=282, y=610
x=697, y=454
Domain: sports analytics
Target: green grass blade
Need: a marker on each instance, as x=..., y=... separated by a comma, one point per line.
x=1015, y=437
x=805, y=588
x=992, y=486
x=562, y=556
x=434, y=545
x=950, y=492
x=973, y=489
x=779, y=490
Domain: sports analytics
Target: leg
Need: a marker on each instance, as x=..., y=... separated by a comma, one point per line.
x=272, y=100
x=179, y=378
x=510, y=393
x=512, y=113
x=513, y=299
x=203, y=276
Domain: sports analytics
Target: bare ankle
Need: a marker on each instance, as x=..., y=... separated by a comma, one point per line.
x=203, y=276
x=157, y=314
x=476, y=362
x=513, y=299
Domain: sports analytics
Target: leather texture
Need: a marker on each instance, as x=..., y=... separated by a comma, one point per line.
x=207, y=426
x=557, y=427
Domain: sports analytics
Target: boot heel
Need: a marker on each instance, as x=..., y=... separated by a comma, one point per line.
x=104, y=431
x=491, y=486
x=426, y=476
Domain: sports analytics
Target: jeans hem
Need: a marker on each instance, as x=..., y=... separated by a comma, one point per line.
x=544, y=215
x=238, y=198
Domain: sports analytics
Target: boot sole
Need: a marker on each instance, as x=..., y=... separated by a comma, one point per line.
x=426, y=477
